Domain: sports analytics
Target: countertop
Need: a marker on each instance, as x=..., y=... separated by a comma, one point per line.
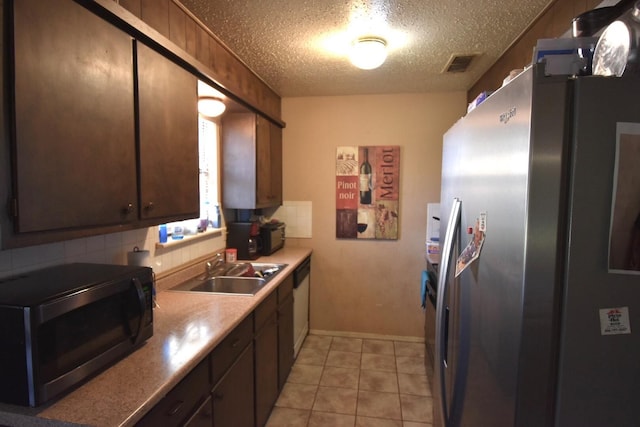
x=187, y=327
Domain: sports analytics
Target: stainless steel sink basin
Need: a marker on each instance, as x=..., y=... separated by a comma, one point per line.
x=240, y=278
x=230, y=285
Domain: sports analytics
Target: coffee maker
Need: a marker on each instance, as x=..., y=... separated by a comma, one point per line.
x=245, y=237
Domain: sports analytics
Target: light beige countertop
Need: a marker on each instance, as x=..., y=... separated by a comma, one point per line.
x=186, y=328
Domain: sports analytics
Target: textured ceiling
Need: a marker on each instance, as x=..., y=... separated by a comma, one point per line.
x=299, y=46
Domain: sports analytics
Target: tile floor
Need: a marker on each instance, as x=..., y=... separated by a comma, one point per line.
x=355, y=382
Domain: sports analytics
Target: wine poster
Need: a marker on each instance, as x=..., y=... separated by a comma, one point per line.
x=367, y=192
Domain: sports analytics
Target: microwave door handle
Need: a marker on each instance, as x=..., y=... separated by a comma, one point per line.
x=142, y=305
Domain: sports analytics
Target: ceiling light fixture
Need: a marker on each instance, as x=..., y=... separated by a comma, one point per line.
x=368, y=52
x=210, y=106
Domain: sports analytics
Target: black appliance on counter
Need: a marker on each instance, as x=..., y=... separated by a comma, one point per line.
x=63, y=324
x=272, y=235
x=245, y=237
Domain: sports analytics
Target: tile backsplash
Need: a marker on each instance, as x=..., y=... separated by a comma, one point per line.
x=108, y=249
x=297, y=216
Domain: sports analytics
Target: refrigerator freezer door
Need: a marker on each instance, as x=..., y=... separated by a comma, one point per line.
x=485, y=165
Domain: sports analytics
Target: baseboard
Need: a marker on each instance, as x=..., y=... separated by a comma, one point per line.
x=365, y=336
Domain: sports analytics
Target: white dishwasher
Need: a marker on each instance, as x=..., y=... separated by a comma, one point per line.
x=301, y=284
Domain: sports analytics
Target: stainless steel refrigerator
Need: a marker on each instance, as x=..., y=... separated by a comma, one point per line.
x=541, y=327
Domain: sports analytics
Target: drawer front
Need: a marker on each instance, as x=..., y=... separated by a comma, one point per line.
x=230, y=348
x=265, y=310
x=285, y=288
x=182, y=400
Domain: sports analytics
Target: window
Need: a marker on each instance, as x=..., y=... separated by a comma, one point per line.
x=208, y=146
x=208, y=141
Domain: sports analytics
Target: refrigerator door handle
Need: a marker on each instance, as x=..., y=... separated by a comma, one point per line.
x=441, y=311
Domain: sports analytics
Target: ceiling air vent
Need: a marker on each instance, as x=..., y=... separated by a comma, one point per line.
x=459, y=63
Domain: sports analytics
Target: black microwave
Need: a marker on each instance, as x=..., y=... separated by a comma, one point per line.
x=63, y=324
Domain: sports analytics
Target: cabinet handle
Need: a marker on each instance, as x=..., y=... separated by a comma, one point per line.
x=149, y=206
x=175, y=408
x=127, y=209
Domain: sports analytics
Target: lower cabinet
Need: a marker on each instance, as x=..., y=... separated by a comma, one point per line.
x=238, y=384
x=178, y=406
x=285, y=339
x=233, y=402
x=203, y=416
x=266, y=358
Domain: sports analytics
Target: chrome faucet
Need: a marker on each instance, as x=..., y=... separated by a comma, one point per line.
x=211, y=265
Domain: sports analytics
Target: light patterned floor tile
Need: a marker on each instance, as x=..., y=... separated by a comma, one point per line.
x=379, y=405
x=377, y=422
x=353, y=345
x=312, y=356
x=305, y=374
x=412, y=349
x=336, y=400
x=416, y=408
x=343, y=359
x=325, y=419
x=288, y=417
x=410, y=365
x=340, y=377
x=414, y=384
x=379, y=381
x=298, y=396
x=378, y=362
x=317, y=341
x=352, y=382
x=378, y=347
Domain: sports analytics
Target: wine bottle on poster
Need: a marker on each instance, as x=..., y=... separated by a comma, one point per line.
x=365, y=180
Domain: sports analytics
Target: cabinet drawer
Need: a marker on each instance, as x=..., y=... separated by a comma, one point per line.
x=265, y=310
x=228, y=350
x=285, y=288
x=182, y=400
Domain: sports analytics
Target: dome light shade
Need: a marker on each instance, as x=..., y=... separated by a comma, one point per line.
x=210, y=106
x=368, y=53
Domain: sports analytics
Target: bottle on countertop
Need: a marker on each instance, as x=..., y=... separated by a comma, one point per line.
x=163, y=233
x=216, y=220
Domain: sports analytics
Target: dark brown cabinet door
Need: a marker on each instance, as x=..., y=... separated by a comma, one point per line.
x=252, y=162
x=203, y=416
x=187, y=403
x=269, y=163
x=233, y=396
x=275, y=138
x=285, y=340
x=167, y=99
x=74, y=140
x=266, y=366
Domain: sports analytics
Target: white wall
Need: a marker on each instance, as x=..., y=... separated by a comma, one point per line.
x=357, y=286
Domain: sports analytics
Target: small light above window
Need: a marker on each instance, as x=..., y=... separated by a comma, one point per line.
x=210, y=106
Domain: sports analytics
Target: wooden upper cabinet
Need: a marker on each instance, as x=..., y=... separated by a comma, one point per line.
x=74, y=140
x=173, y=20
x=269, y=163
x=252, y=162
x=168, y=126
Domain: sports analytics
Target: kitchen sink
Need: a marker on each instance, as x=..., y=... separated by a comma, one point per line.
x=241, y=278
x=230, y=285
